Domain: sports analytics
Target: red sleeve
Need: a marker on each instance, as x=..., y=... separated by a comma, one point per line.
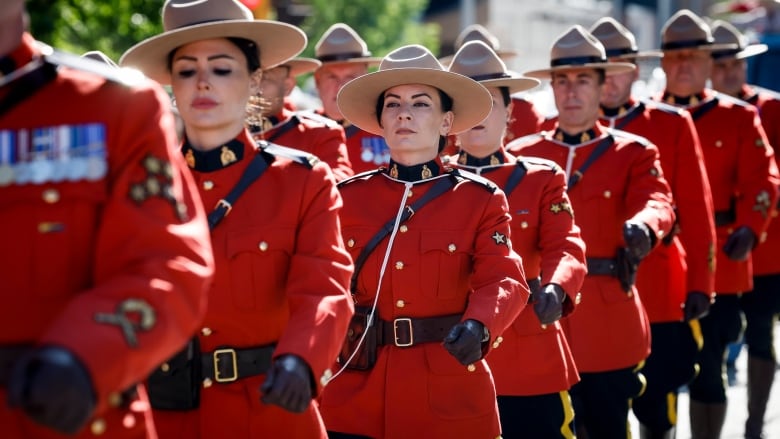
x=649, y=199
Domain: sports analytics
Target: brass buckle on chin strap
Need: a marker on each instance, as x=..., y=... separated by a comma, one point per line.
x=221, y=353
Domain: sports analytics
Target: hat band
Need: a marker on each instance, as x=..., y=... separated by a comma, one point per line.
x=488, y=76
x=672, y=45
x=343, y=56
x=621, y=51
x=576, y=60
x=725, y=53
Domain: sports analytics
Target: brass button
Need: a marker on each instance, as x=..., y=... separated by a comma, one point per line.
x=471, y=368
x=51, y=196
x=718, y=143
x=607, y=194
x=208, y=185
x=207, y=383
x=399, y=265
x=165, y=367
x=763, y=237
x=350, y=243
x=410, y=193
x=630, y=294
x=98, y=426
x=578, y=298
x=403, y=228
x=452, y=248
x=544, y=326
x=524, y=225
x=496, y=344
x=326, y=376
x=400, y=303
x=114, y=399
x=263, y=246
x=206, y=332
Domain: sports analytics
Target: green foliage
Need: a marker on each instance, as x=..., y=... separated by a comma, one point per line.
x=79, y=26
x=385, y=25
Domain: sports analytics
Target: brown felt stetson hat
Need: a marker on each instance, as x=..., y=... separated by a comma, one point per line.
x=480, y=63
x=340, y=44
x=413, y=64
x=187, y=21
x=477, y=32
x=725, y=33
x=619, y=42
x=578, y=49
x=686, y=30
x=300, y=65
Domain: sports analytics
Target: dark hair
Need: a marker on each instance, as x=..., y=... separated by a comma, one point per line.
x=602, y=74
x=247, y=47
x=505, y=95
x=446, y=105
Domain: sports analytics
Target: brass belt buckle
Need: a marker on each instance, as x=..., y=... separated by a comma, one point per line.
x=408, y=323
x=225, y=379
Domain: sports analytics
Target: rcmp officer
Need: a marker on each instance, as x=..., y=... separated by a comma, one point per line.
x=278, y=309
x=439, y=280
x=742, y=173
x=536, y=402
x=762, y=305
x=106, y=252
x=624, y=210
x=305, y=130
x=525, y=117
x=677, y=279
x=344, y=57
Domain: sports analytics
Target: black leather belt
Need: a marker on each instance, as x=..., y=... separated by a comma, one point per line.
x=8, y=356
x=226, y=365
x=602, y=266
x=725, y=217
x=405, y=332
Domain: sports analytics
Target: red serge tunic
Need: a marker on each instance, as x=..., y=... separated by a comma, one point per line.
x=687, y=263
x=451, y=257
x=282, y=276
x=100, y=217
x=609, y=330
x=545, y=236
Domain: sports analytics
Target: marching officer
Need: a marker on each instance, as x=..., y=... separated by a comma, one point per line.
x=677, y=279
x=742, y=173
x=536, y=402
x=435, y=272
x=106, y=254
x=344, y=57
x=762, y=305
x=270, y=120
x=278, y=309
x=624, y=210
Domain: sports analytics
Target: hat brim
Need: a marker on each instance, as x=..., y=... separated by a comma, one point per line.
x=747, y=52
x=299, y=66
x=705, y=47
x=278, y=42
x=358, y=98
x=647, y=54
x=371, y=61
x=610, y=68
x=515, y=85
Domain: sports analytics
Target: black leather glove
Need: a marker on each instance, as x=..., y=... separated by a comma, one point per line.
x=739, y=244
x=638, y=238
x=288, y=384
x=697, y=305
x=465, y=340
x=53, y=388
x=548, y=303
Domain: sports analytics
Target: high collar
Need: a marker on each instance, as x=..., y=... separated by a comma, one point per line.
x=494, y=159
x=748, y=94
x=575, y=139
x=414, y=173
x=215, y=159
x=271, y=122
x=619, y=111
x=685, y=101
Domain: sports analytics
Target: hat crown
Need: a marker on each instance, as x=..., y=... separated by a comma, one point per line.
x=725, y=33
x=477, y=32
x=615, y=38
x=412, y=56
x=478, y=61
x=177, y=14
x=342, y=42
x=577, y=46
x=685, y=29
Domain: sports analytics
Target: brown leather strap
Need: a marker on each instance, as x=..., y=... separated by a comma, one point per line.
x=226, y=365
x=406, y=332
x=8, y=356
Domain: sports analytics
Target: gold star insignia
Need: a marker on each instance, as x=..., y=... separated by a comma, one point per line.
x=137, y=193
x=654, y=172
x=555, y=208
x=762, y=203
x=152, y=165
x=499, y=238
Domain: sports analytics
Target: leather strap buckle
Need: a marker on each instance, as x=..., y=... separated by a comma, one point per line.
x=405, y=323
x=220, y=355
